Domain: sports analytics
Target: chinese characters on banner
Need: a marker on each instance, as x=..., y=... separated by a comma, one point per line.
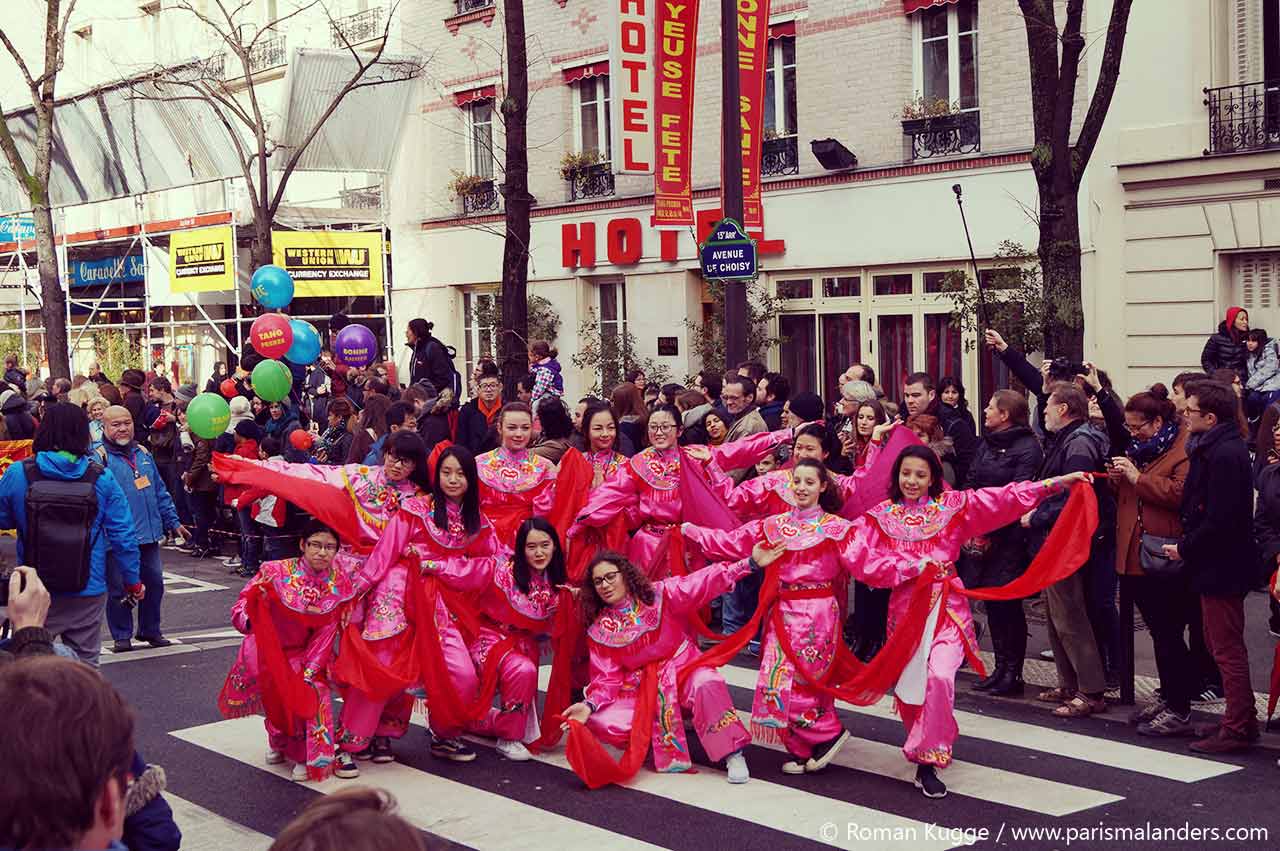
x=631, y=80
x=753, y=38
x=676, y=60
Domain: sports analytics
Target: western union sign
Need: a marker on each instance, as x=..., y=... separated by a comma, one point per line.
x=200, y=261
x=329, y=263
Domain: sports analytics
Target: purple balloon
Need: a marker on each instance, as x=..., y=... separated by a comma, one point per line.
x=356, y=346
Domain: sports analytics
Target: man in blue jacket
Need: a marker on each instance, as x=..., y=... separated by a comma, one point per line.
x=62, y=452
x=154, y=515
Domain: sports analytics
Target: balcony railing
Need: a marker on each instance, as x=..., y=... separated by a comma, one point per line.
x=943, y=135
x=268, y=53
x=482, y=199
x=353, y=29
x=465, y=6
x=1245, y=117
x=780, y=156
x=591, y=181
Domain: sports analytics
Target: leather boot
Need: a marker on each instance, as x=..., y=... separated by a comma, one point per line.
x=1010, y=683
x=997, y=643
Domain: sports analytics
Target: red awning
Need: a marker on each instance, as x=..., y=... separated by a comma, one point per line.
x=909, y=6
x=782, y=30
x=473, y=95
x=595, y=69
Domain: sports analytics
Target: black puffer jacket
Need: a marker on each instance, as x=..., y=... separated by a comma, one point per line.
x=1217, y=514
x=1012, y=455
x=1222, y=351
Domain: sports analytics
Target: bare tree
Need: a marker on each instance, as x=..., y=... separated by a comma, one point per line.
x=234, y=97
x=34, y=177
x=515, y=254
x=1058, y=165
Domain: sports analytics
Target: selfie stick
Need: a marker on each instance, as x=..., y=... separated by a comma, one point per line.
x=977, y=278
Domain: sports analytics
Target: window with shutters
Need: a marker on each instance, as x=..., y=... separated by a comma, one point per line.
x=1257, y=279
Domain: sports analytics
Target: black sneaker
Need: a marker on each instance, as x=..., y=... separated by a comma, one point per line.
x=345, y=767
x=454, y=750
x=928, y=782
x=1211, y=693
x=380, y=750
x=825, y=752
x=124, y=645
x=156, y=640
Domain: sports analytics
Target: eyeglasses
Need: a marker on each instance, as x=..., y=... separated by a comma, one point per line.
x=605, y=579
x=490, y=385
x=322, y=548
x=1191, y=410
x=396, y=461
x=1134, y=429
x=661, y=429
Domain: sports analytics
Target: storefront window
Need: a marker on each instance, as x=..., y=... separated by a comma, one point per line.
x=798, y=348
x=794, y=289
x=841, y=347
x=613, y=330
x=896, y=352
x=849, y=286
x=943, y=347
x=899, y=284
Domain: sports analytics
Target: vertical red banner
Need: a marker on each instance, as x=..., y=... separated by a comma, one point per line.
x=676, y=53
x=753, y=46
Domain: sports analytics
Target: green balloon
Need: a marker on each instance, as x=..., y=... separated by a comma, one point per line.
x=271, y=381
x=208, y=415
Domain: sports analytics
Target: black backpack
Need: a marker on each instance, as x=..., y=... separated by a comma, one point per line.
x=455, y=377
x=59, y=539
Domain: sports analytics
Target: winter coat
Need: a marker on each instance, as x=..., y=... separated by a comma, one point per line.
x=1011, y=455
x=1217, y=515
x=1159, y=491
x=957, y=424
x=1078, y=447
x=1263, y=367
x=430, y=362
x=1266, y=518
x=151, y=507
x=1030, y=377
x=17, y=418
x=112, y=524
x=137, y=407
x=945, y=449
x=474, y=431
x=199, y=474
x=1223, y=351
x=434, y=429
x=17, y=377
x=547, y=381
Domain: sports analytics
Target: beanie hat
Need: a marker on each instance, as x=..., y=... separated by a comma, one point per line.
x=186, y=393
x=1232, y=313
x=134, y=378
x=249, y=430
x=807, y=406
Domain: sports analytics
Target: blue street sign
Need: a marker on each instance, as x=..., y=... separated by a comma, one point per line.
x=15, y=228
x=728, y=254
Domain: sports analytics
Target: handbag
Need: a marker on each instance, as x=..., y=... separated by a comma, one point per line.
x=1151, y=553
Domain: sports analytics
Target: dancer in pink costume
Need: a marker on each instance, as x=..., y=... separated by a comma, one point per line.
x=647, y=489
x=289, y=615
x=599, y=432
x=923, y=525
x=515, y=484
x=380, y=652
x=638, y=634
x=517, y=597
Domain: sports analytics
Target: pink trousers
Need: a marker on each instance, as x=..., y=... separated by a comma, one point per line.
x=517, y=689
x=931, y=726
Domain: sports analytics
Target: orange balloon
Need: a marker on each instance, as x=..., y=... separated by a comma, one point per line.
x=300, y=440
x=228, y=388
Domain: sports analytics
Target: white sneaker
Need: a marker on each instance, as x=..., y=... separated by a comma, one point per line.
x=792, y=766
x=274, y=757
x=299, y=774
x=737, y=767
x=513, y=750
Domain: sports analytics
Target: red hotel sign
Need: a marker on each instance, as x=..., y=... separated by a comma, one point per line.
x=624, y=241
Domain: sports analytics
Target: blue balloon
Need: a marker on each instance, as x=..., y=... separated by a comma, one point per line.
x=306, y=343
x=272, y=287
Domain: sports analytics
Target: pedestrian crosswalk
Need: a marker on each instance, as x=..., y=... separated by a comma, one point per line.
x=175, y=583
x=495, y=804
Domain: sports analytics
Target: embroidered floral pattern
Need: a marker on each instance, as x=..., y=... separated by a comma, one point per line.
x=511, y=473
x=302, y=590
x=802, y=530
x=779, y=482
x=940, y=757
x=618, y=626
x=659, y=470
x=724, y=722
x=809, y=717
x=538, y=604
x=375, y=498
x=606, y=463
x=919, y=521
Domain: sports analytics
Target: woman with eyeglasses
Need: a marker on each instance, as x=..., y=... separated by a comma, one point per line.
x=355, y=500
x=401, y=621
x=646, y=490
x=638, y=635
x=919, y=528
x=515, y=484
x=514, y=598
x=289, y=614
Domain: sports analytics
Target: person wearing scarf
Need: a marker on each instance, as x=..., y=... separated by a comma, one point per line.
x=1148, y=482
x=639, y=637
x=515, y=484
x=289, y=615
x=385, y=648
x=513, y=604
x=649, y=490
x=914, y=535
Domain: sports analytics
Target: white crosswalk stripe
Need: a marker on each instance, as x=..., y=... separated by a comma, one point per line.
x=175, y=583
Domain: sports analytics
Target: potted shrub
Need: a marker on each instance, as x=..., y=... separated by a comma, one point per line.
x=464, y=184
x=571, y=163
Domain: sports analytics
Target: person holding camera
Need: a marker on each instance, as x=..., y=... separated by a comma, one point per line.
x=69, y=514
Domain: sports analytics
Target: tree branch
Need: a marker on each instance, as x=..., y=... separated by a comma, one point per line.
x=22, y=65
x=1042, y=53
x=1108, y=74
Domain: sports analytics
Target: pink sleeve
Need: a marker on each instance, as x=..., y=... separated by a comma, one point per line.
x=748, y=497
x=697, y=589
x=610, y=499
x=389, y=550
x=484, y=544
x=321, y=473
x=721, y=484
x=546, y=496
x=606, y=679
x=987, y=509
x=239, y=611
x=320, y=651
x=460, y=573
x=871, y=561
x=718, y=545
x=746, y=451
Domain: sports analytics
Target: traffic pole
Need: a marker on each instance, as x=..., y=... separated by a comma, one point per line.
x=735, y=292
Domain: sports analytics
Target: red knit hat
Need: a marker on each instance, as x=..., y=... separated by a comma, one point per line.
x=1232, y=313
